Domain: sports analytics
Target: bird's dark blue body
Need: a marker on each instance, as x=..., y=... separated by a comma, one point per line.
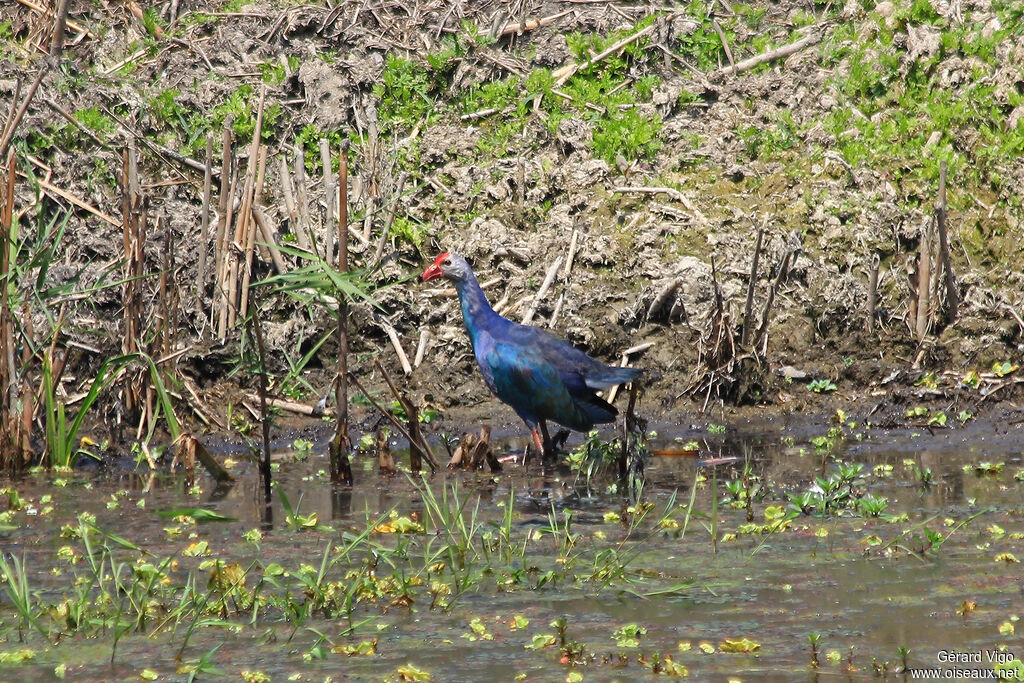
x=540, y=376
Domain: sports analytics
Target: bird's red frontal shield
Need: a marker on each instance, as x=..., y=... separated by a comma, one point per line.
x=434, y=270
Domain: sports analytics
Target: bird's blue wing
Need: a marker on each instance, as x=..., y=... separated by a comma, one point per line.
x=570, y=362
x=525, y=380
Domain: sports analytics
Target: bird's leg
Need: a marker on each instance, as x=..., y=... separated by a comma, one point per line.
x=538, y=444
x=547, y=449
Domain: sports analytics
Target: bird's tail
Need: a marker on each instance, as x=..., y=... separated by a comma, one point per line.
x=610, y=375
x=597, y=410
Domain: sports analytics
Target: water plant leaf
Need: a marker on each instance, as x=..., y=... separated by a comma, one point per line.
x=411, y=673
x=364, y=648
x=399, y=525
x=17, y=656
x=196, y=549
x=742, y=645
x=198, y=514
x=541, y=641
x=629, y=635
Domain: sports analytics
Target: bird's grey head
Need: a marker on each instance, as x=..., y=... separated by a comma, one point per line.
x=448, y=265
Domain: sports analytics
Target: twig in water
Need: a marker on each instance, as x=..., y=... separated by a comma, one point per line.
x=391, y=418
x=257, y=330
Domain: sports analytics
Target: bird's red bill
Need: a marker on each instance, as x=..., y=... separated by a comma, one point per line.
x=434, y=270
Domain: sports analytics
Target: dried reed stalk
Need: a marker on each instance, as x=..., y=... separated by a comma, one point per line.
x=7, y=346
x=924, y=282
x=228, y=177
x=952, y=302
x=751, y=283
x=252, y=227
x=341, y=468
x=303, y=228
x=244, y=215
x=133, y=230
x=329, y=199
x=204, y=226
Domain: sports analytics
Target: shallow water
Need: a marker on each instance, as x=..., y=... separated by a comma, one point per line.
x=848, y=578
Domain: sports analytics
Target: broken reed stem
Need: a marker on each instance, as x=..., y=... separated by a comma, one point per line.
x=341, y=469
x=162, y=343
x=289, y=202
x=548, y=280
x=421, y=348
x=745, y=334
x=664, y=296
x=204, y=226
x=60, y=23
x=949, y=277
x=245, y=213
x=132, y=232
x=228, y=176
x=391, y=418
x=385, y=461
x=571, y=255
x=725, y=44
x=396, y=343
x=257, y=332
x=252, y=228
x=872, y=292
x=761, y=338
x=23, y=440
x=558, y=310
x=519, y=27
x=12, y=124
x=924, y=280
x=7, y=370
x=329, y=199
x=263, y=223
x=303, y=228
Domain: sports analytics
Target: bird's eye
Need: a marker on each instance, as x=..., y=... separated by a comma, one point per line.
x=448, y=262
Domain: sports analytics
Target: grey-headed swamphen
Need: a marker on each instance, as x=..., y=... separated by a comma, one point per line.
x=538, y=374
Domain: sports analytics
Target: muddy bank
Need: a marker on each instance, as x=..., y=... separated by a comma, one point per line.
x=638, y=148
